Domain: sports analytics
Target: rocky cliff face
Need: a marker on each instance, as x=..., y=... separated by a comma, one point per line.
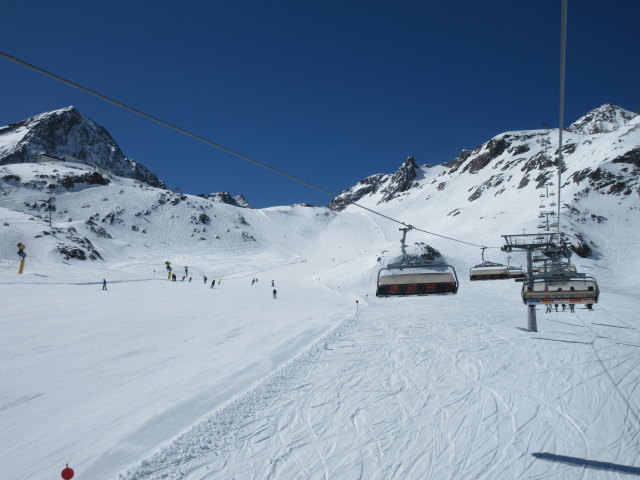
x=225, y=197
x=604, y=119
x=69, y=135
x=391, y=186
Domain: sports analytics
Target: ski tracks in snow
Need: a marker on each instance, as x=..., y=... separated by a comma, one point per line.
x=416, y=397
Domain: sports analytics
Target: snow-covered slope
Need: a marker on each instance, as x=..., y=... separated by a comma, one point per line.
x=160, y=380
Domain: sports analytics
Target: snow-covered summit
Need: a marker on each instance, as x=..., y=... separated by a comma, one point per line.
x=606, y=118
x=225, y=197
x=68, y=134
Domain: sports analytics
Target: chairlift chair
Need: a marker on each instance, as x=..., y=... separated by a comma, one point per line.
x=408, y=279
x=563, y=287
x=413, y=276
x=488, y=270
x=516, y=273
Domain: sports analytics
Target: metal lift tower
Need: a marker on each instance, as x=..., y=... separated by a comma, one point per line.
x=548, y=242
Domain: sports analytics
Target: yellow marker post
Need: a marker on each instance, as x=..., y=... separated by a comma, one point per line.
x=23, y=257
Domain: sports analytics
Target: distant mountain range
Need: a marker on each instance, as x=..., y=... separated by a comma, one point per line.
x=100, y=198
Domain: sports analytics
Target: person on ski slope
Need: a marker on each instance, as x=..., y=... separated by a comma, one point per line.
x=104, y=284
x=275, y=293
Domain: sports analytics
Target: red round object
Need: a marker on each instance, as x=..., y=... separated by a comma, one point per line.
x=67, y=473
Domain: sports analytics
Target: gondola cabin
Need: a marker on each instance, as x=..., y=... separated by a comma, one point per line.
x=565, y=289
x=411, y=281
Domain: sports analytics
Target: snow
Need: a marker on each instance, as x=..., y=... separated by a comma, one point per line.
x=10, y=138
x=175, y=380
x=154, y=379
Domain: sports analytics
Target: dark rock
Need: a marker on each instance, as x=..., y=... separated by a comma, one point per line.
x=69, y=135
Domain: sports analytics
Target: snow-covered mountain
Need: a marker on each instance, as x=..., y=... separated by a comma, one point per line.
x=601, y=153
x=67, y=134
x=492, y=190
x=186, y=381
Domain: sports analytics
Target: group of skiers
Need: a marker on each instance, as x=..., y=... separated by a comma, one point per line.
x=173, y=278
x=572, y=307
x=273, y=284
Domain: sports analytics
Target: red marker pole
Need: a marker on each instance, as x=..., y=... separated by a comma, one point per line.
x=67, y=473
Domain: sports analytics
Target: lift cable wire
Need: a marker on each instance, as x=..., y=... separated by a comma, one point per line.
x=215, y=145
x=563, y=61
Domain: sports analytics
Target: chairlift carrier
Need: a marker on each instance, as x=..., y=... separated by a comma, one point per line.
x=494, y=271
x=416, y=276
x=561, y=285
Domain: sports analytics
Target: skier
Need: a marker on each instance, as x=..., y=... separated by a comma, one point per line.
x=189, y=278
x=205, y=279
x=589, y=306
x=213, y=283
x=275, y=293
x=173, y=277
x=219, y=280
x=273, y=283
x=186, y=271
x=104, y=284
x=253, y=280
x=548, y=308
x=572, y=308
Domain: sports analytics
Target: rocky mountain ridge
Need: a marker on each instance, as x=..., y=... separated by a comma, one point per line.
x=531, y=153
x=225, y=197
x=601, y=154
x=68, y=135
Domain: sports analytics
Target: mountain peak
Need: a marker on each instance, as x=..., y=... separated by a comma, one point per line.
x=66, y=132
x=604, y=119
x=225, y=197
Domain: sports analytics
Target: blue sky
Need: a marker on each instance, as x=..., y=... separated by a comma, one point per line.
x=329, y=91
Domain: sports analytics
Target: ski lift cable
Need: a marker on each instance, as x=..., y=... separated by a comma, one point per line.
x=563, y=61
x=211, y=143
